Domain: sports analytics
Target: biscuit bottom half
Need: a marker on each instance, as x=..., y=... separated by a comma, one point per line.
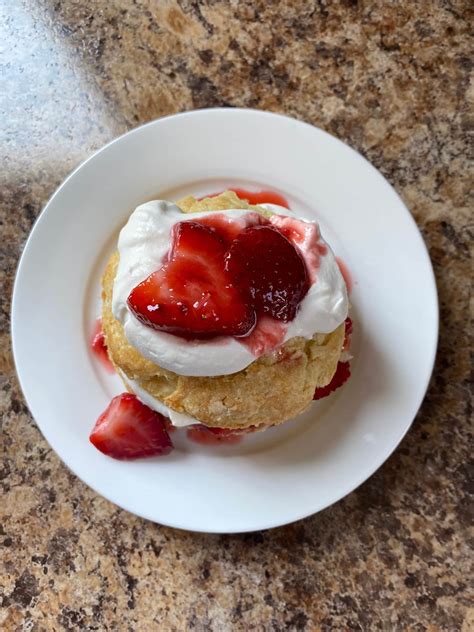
x=271, y=390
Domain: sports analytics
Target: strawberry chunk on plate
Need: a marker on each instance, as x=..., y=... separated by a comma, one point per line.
x=128, y=429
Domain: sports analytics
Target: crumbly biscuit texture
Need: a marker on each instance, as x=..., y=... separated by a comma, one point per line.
x=221, y=202
x=269, y=391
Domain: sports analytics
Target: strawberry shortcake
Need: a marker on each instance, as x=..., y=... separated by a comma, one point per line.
x=218, y=315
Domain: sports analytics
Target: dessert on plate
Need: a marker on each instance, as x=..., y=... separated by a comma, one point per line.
x=219, y=315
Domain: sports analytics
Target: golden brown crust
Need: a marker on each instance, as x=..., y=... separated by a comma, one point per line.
x=225, y=200
x=269, y=391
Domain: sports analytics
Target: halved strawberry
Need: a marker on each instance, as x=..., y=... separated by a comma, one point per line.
x=342, y=374
x=192, y=295
x=128, y=429
x=266, y=263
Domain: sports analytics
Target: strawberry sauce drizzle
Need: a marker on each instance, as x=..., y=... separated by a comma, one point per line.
x=268, y=334
x=346, y=274
x=306, y=238
x=229, y=228
x=99, y=347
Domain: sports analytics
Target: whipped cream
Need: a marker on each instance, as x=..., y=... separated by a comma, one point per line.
x=143, y=243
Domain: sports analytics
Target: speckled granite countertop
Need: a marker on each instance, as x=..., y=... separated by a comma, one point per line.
x=394, y=83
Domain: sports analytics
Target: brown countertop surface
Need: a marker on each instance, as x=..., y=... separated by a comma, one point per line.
x=392, y=80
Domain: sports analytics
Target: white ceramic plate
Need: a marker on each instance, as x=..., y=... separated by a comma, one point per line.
x=283, y=474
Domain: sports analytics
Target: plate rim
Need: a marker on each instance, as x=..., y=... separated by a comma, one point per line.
x=226, y=111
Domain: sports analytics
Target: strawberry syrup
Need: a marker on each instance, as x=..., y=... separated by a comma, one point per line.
x=229, y=228
x=268, y=334
x=346, y=274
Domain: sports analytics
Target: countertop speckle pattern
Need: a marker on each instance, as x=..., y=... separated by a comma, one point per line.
x=391, y=79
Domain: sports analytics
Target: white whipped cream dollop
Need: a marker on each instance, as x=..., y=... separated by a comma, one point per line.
x=143, y=243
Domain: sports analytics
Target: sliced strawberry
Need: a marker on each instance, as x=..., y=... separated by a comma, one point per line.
x=228, y=228
x=342, y=374
x=192, y=295
x=128, y=429
x=266, y=263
